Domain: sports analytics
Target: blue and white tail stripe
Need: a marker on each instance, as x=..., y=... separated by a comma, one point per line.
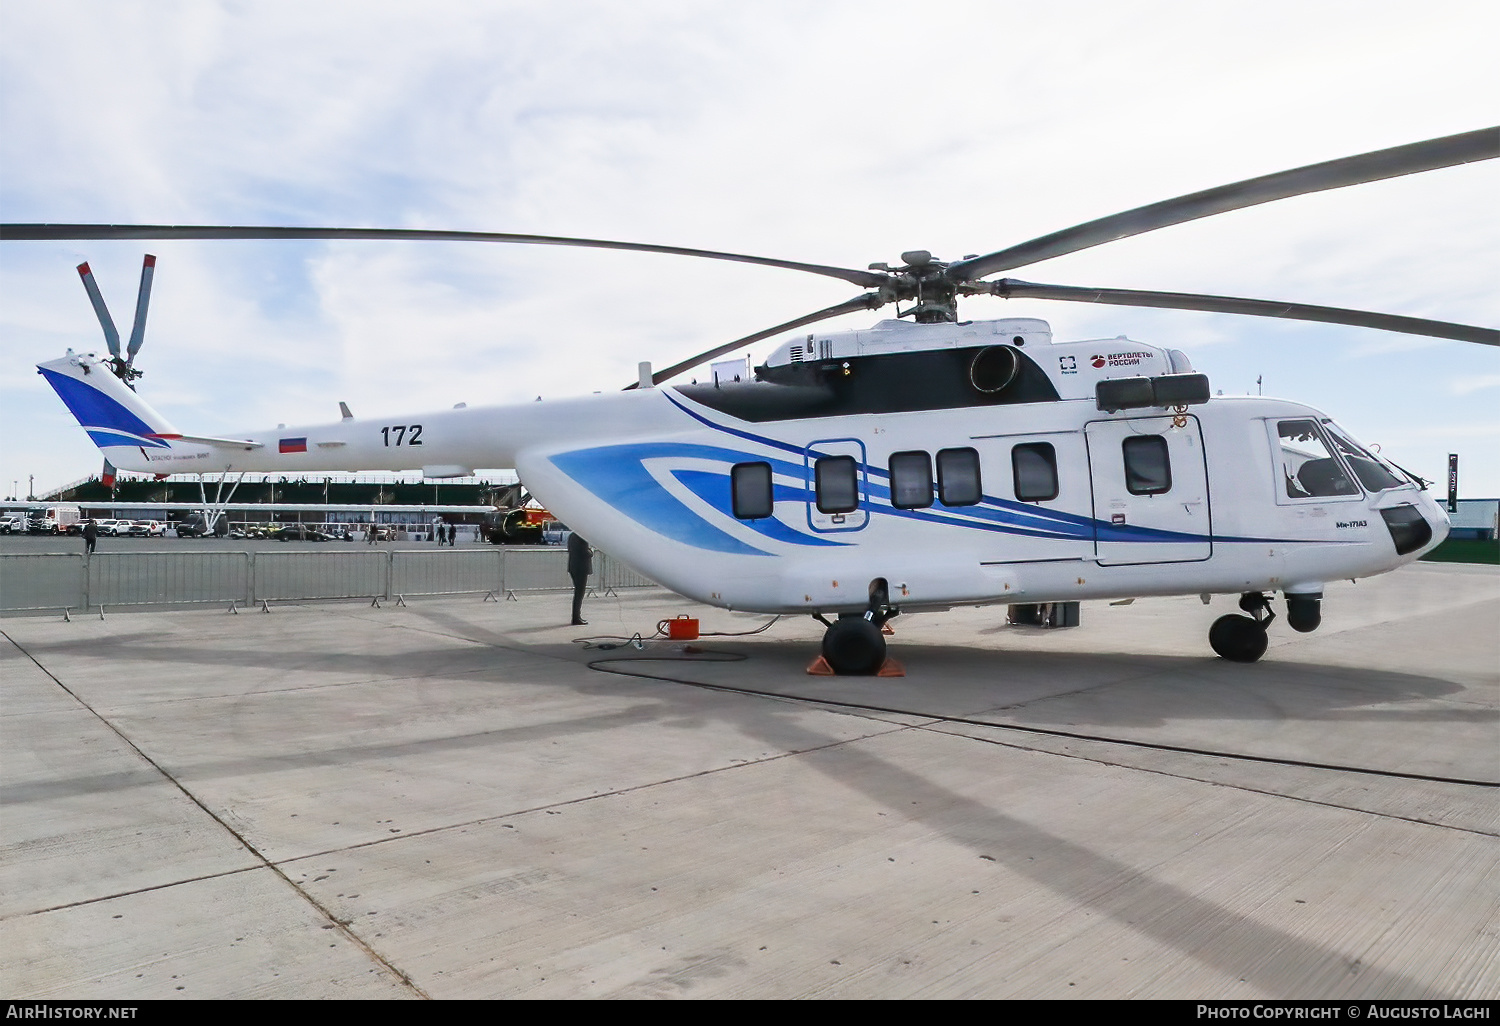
x=112, y=415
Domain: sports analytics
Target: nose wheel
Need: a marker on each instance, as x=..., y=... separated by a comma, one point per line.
x=1242, y=639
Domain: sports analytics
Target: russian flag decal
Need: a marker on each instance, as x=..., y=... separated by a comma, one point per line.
x=294, y=445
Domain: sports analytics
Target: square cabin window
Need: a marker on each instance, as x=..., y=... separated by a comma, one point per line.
x=1034, y=466
x=1148, y=470
x=750, y=486
x=911, y=480
x=836, y=481
x=958, y=477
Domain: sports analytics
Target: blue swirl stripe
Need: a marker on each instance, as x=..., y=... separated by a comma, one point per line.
x=618, y=475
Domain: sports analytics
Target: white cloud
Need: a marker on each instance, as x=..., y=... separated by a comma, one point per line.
x=1464, y=386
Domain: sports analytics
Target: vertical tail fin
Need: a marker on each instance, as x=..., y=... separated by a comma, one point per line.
x=118, y=420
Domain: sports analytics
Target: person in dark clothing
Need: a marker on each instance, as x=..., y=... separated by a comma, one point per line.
x=90, y=536
x=580, y=565
x=452, y=534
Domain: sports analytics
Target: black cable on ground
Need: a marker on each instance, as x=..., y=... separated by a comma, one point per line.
x=703, y=656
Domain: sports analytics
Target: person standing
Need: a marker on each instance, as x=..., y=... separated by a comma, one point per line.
x=90, y=536
x=580, y=565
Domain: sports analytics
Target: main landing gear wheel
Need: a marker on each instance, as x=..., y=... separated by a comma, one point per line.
x=1237, y=638
x=853, y=646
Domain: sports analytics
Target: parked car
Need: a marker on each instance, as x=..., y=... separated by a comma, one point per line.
x=300, y=532
x=196, y=527
x=113, y=528
x=13, y=523
x=556, y=533
x=147, y=529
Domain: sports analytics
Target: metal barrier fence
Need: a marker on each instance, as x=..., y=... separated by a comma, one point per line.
x=453, y=572
x=43, y=581
x=35, y=582
x=305, y=575
x=611, y=574
x=153, y=578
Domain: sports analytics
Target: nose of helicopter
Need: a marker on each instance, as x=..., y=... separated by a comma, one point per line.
x=1416, y=527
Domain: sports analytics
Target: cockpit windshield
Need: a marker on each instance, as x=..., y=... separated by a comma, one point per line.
x=1370, y=469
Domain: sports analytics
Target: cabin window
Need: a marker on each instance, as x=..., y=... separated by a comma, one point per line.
x=1309, y=468
x=1034, y=465
x=958, y=477
x=911, y=480
x=836, y=481
x=750, y=488
x=1148, y=470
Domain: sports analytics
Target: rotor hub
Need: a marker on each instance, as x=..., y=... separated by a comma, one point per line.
x=922, y=281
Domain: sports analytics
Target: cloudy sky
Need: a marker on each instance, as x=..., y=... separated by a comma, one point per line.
x=839, y=133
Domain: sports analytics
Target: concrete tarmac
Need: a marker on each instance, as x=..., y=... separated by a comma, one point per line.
x=445, y=800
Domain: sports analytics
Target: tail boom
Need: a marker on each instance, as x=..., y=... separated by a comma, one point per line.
x=441, y=444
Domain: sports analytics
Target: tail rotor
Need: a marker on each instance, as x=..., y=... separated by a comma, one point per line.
x=122, y=364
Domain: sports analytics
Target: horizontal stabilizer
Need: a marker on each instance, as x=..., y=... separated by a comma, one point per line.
x=221, y=443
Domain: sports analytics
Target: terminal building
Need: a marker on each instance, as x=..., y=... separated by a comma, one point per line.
x=394, y=500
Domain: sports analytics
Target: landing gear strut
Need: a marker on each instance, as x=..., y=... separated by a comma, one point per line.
x=1242, y=639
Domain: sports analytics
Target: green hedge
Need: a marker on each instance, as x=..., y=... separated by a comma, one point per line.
x=1466, y=550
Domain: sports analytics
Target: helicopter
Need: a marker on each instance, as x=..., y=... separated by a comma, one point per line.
x=922, y=463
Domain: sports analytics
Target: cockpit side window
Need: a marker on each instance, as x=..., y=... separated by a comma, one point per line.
x=1309, y=468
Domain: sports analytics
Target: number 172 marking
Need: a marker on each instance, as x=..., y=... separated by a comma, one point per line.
x=402, y=438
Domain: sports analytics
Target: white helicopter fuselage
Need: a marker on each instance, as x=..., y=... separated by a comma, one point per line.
x=807, y=491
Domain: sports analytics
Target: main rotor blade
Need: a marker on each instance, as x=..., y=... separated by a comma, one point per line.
x=111, y=333
x=55, y=232
x=1449, y=151
x=142, y=301
x=1010, y=288
x=870, y=301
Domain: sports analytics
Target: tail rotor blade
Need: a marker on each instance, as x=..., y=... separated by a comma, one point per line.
x=111, y=335
x=142, y=301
